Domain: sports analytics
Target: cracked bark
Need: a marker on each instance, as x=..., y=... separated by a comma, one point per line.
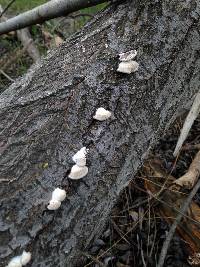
x=47, y=116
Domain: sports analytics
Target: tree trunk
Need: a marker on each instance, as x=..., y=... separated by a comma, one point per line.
x=47, y=116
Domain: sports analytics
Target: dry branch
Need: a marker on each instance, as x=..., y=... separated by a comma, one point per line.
x=50, y=10
x=191, y=147
x=189, y=179
x=25, y=37
x=6, y=75
x=2, y=11
x=191, y=117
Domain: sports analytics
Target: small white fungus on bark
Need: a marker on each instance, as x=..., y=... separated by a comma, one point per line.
x=21, y=260
x=54, y=205
x=25, y=257
x=80, y=157
x=15, y=262
x=128, y=66
x=102, y=114
x=78, y=172
x=127, y=56
x=58, y=196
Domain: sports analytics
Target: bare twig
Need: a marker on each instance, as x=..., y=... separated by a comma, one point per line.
x=117, y=229
x=6, y=75
x=142, y=254
x=189, y=179
x=169, y=237
x=178, y=211
x=7, y=7
x=191, y=147
x=52, y=9
x=25, y=38
x=194, y=112
x=94, y=259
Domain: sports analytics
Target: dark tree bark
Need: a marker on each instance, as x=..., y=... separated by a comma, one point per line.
x=47, y=116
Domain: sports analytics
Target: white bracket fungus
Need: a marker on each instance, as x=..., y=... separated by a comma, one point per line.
x=80, y=157
x=54, y=205
x=25, y=257
x=58, y=196
x=15, y=262
x=78, y=172
x=102, y=114
x=127, y=65
x=127, y=56
x=20, y=261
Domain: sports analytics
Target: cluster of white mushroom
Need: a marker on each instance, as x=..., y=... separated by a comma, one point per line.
x=21, y=260
x=127, y=64
x=79, y=170
x=58, y=196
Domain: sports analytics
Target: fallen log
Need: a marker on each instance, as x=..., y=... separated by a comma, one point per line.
x=47, y=116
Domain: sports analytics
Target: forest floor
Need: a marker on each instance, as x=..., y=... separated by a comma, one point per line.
x=135, y=232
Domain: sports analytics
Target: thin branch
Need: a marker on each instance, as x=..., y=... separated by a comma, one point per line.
x=50, y=10
x=169, y=237
x=25, y=37
x=190, y=147
x=27, y=41
x=6, y=75
x=6, y=8
x=190, y=177
x=191, y=117
x=93, y=259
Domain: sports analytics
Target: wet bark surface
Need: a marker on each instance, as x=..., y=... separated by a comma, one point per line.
x=47, y=116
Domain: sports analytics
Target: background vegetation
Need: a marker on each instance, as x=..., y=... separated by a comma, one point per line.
x=45, y=36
